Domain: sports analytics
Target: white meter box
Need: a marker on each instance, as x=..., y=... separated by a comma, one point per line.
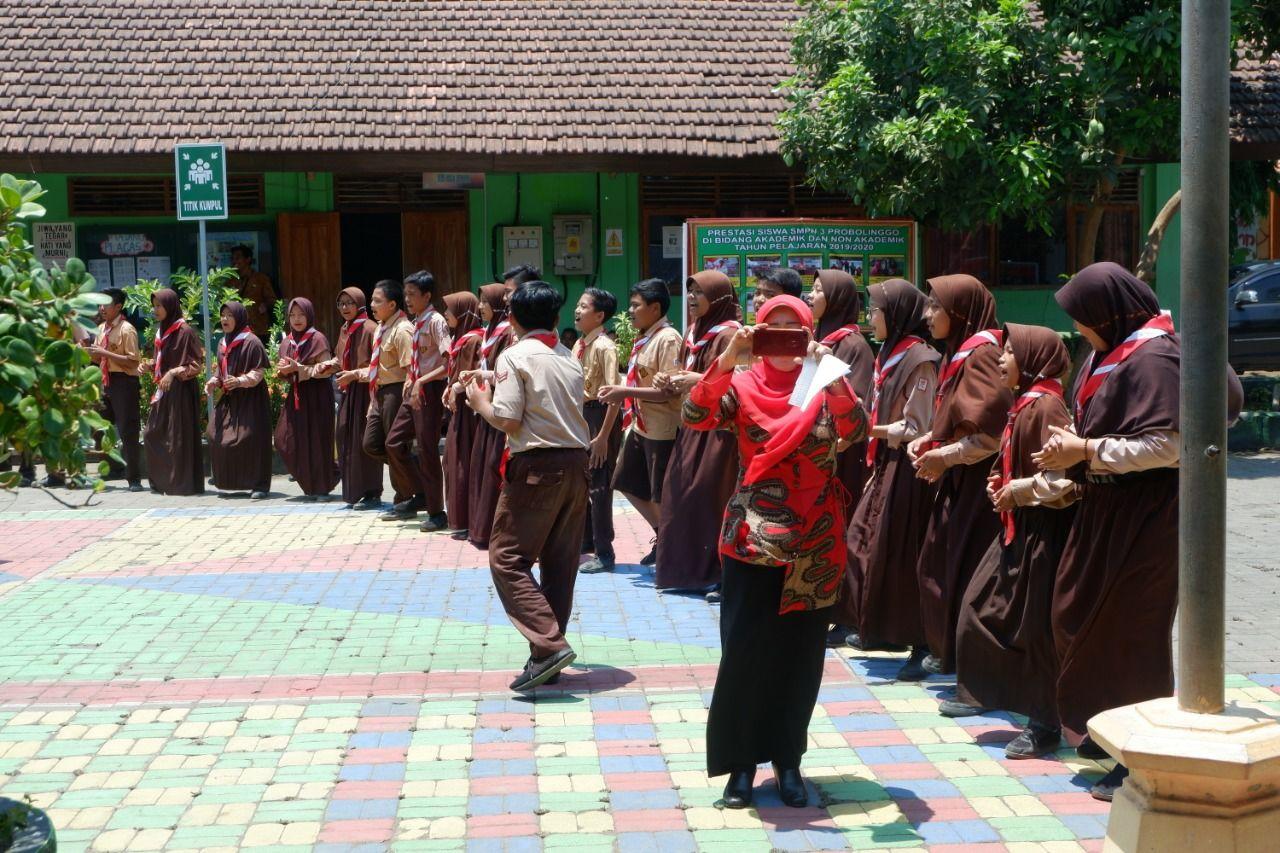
x=521, y=244
x=574, y=245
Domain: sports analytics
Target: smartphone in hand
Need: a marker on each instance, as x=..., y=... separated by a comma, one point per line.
x=782, y=343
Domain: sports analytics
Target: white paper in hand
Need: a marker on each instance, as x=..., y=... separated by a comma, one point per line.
x=814, y=376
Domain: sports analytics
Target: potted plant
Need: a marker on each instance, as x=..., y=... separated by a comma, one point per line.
x=24, y=828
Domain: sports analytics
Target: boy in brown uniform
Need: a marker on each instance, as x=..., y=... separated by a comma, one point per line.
x=598, y=355
x=536, y=400
x=115, y=349
x=651, y=415
x=386, y=373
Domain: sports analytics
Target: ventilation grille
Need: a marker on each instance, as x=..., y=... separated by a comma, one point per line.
x=737, y=195
x=1128, y=188
x=152, y=195
x=354, y=193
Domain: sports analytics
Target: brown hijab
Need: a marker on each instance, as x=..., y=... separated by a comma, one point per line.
x=718, y=290
x=249, y=353
x=903, y=306
x=1040, y=353
x=317, y=344
x=844, y=301
x=168, y=299
x=466, y=308
x=495, y=296
x=1108, y=299
x=352, y=336
x=968, y=303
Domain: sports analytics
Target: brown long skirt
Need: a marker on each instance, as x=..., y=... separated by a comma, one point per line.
x=361, y=473
x=881, y=596
x=852, y=471
x=240, y=440
x=1004, y=643
x=1115, y=598
x=175, y=459
x=701, y=475
x=463, y=424
x=485, y=483
x=962, y=524
x=304, y=436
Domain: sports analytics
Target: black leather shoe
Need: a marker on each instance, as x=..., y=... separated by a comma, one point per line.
x=956, y=708
x=1089, y=749
x=791, y=786
x=434, y=524
x=404, y=511
x=855, y=641
x=912, y=670
x=367, y=503
x=1035, y=740
x=836, y=636
x=651, y=558
x=738, y=790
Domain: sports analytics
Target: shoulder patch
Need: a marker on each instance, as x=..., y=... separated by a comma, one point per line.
x=500, y=375
x=921, y=384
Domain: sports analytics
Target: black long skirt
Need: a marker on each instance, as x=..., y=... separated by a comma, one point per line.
x=175, y=459
x=769, y=676
x=485, y=482
x=700, y=479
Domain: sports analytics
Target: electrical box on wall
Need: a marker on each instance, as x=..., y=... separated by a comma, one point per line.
x=521, y=244
x=574, y=247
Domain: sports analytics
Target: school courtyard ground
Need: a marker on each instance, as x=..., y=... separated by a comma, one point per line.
x=213, y=674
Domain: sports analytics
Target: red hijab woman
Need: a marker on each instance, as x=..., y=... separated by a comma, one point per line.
x=305, y=431
x=175, y=461
x=782, y=553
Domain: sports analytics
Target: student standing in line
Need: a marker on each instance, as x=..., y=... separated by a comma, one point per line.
x=969, y=416
x=489, y=444
x=779, y=281
x=598, y=355
x=782, y=565
x=511, y=281
x=703, y=468
x=115, y=349
x=175, y=461
x=462, y=313
x=304, y=433
x=881, y=599
x=361, y=473
x=535, y=399
x=650, y=415
x=1004, y=642
x=385, y=375
x=421, y=409
x=240, y=429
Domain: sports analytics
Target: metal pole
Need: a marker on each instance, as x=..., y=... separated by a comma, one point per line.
x=1202, y=499
x=204, y=310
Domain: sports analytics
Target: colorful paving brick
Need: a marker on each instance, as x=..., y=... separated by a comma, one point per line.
x=215, y=676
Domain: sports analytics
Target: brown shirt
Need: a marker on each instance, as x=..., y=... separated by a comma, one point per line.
x=257, y=288
x=599, y=357
x=660, y=355
x=121, y=339
x=397, y=352
x=542, y=388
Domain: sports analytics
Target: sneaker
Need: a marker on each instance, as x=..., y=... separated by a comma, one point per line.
x=913, y=669
x=367, y=503
x=137, y=487
x=651, y=558
x=836, y=636
x=538, y=671
x=1034, y=741
x=403, y=511
x=437, y=523
x=713, y=596
x=460, y=535
x=933, y=666
x=855, y=641
x=258, y=495
x=597, y=565
x=956, y=708
x=1105, y=788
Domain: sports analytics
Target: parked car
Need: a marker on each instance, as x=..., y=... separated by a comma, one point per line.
x=1253, y=319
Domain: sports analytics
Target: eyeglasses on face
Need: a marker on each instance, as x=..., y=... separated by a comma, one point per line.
x=346, y=303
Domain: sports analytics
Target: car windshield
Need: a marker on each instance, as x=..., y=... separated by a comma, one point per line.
x=1239, y=271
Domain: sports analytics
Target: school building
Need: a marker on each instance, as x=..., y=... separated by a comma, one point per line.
x=370, y=138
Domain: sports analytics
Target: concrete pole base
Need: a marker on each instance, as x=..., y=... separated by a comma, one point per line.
x=1197, y=782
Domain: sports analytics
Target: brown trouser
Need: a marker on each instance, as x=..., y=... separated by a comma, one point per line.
x=377, y=435
x=422, y=423
x=120, y=406
x=539, y=519
x=599, y=526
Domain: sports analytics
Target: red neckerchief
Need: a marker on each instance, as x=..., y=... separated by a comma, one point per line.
x=377, y=352
x=491, y=341
x=360, y=317
x=548, y=338
x=995, y=337
x=1157, y=327
x=1035, y=392
x=418, y=325
x=841, y=333
x=695, y=347
x=630, y=409
x=456, y=349
x=106, y=362
x=156, y=372
x=295, y=351
x=879, y=374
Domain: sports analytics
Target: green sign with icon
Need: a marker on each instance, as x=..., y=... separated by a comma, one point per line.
x=201, y=173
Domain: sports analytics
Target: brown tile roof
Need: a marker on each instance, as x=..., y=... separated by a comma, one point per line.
x=1255, y=108
x=476, y=80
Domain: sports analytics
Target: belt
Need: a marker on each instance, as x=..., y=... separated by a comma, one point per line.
x=1132, y=477
x=594, y=404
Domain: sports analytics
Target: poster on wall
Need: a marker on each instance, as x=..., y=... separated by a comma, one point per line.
x=54, y=242
x=219, y=246
x=867, y=249
x=100, y=269
x=124, y=272
x=154, y=267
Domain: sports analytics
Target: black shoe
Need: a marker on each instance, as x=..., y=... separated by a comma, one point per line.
x=651, y=558
x=854, y=641
x=434, y=524
x=835, y=637
x=54, y=481
x=403, y=511
x=791, y=787
x=258, y=495
x=738, y=790
x=367, y=503
x=137, y=487
x=933, y=666
x=714, y=596
x=1034, y=741
x=596, y=565
x=536, y=672
x=1105, y=788
x=460, y=535
x=1089, y=749
x=308, y=499
x=913, y=669
x=956, y=708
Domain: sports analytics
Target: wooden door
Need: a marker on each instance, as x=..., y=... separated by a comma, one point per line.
x=436, y=240
x=310, y=254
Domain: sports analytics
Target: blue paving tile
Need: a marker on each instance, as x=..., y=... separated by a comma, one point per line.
x=610, y=731
x=918, y=789
x=1055, y=784
x=1085, y=825
x=634, y=801
x=890, y=755
x=632, y=764
x=864, y=723
x=496, y=804
x=647, y=842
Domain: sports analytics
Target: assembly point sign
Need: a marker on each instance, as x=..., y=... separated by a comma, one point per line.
x=201, y=173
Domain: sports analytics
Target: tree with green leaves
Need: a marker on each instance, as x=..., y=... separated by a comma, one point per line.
x=962, y=113
x=49, y=389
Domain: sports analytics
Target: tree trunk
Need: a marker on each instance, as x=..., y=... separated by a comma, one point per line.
x=1146, y=269
x=1087, y=240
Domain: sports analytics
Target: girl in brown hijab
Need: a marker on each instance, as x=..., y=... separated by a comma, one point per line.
x=304, y=433
x=700, y=474
x=462, y=313
x=488, y=445
x=881, y=596
x=361, y=474
x=1004, y=645
x=240, y=429
x=175, y=462
x=969, y=416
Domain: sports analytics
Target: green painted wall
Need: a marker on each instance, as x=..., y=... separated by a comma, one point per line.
x=1031, y=305
x=1165, y=180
